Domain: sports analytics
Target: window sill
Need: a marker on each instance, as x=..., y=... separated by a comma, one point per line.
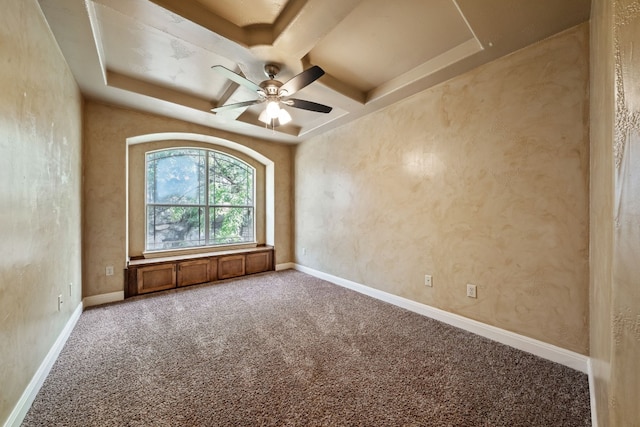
x=161, y=253
x=168, y=256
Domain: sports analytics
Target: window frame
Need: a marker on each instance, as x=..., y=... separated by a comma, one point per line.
x=206, y=206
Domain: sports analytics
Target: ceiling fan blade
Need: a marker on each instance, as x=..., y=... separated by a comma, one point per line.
x=237, y=78
x=308, y=105
x=236, y=105
x=303, y=79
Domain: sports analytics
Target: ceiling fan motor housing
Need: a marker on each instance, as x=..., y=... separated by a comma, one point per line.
x=271, y=87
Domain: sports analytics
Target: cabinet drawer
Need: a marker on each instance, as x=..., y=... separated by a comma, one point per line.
x=156, y=278
x=258, y=262
x=192, y=272
x=230, y=266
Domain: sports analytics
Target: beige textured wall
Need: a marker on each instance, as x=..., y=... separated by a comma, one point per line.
x=615, y=225
x=601, y=200
x=104, y=238
x=624, y=386
x=40, y=180
x=625, y=356
x=483, y=179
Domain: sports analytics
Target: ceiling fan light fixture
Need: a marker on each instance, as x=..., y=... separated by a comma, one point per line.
x=264, y=117
x=284, y=117
x=273, y=109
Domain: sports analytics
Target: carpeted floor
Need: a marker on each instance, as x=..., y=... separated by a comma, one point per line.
x=285, y=348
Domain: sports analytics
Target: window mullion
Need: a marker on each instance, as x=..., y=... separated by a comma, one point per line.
x=214, y=159
x=206, y=198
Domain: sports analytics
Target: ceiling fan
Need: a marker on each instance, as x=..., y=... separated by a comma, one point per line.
x=275, y=93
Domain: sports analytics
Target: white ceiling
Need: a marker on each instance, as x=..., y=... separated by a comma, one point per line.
x=156, y=55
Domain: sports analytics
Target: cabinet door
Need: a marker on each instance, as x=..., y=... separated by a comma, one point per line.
x=258, y=262
x=230, y=266
x=192, y=272
x=156, y=278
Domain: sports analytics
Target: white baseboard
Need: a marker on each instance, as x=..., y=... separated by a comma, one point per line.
x=285, y=266
x=24, y=403
x=592, y=394
x=547, y=351
x=103, y=299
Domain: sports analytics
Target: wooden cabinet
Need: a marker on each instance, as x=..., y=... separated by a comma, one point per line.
x=157, y=274
x=231, y=266
x=156, y=278
x=258, y=262
x=192, y=272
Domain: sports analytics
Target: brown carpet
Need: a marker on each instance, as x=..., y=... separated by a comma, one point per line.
x=284, y=349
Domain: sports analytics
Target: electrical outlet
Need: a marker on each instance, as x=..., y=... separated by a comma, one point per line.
x=471, y=290
x=59, y=302
x=427, y=280
x=109, y=270
x=70, y=288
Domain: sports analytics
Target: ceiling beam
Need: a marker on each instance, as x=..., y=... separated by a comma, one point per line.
x=143, y=87
x=310, y=25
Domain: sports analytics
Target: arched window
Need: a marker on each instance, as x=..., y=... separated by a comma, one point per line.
x=197, y=197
